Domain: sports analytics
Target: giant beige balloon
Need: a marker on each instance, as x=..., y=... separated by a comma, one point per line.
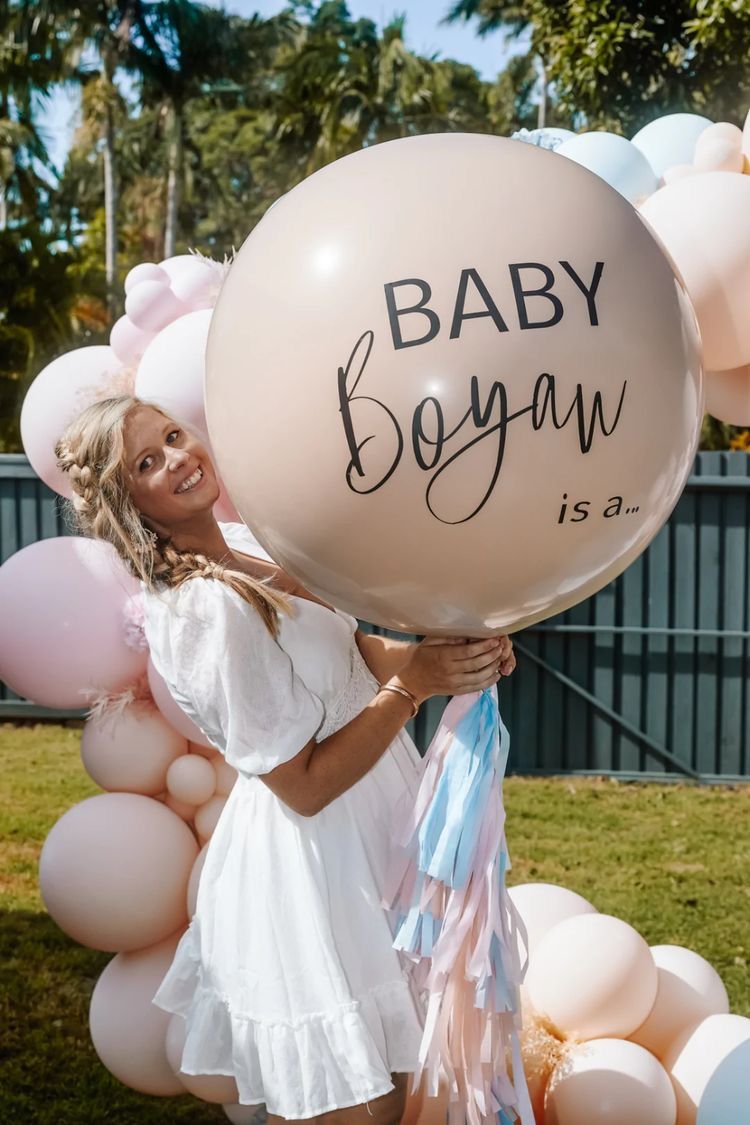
x=704, y=222
x=453, y=384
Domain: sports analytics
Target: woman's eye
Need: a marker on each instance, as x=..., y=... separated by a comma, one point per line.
x=143, y=464
x=172, y=432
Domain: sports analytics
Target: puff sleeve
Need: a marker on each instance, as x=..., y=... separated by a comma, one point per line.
x=229, y=674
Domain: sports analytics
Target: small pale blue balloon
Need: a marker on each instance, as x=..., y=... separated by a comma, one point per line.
x=670, y=140
x=726, y=1098
x=550, y=137
x=616, y=160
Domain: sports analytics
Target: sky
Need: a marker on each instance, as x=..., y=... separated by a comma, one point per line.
x=424, y=34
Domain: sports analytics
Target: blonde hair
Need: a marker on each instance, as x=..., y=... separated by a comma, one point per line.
x=91, y=452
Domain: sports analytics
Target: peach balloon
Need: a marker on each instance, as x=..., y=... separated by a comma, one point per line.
x=151, y=306
x=677, y=172
x=226, y=776
x=470, y=367
x=131, y=750
x=696, y=1055
x=194, y=880
x=172, y=711
x=719, y=148
x=689, y=989
x=207, y=816
x=191, y=779
x=728, y=395
x=543, y=905
x=127, y=1030
x=114, y=870
x=609, y=1082
x=209, y=752
x=62, y=622
x=704, y=222
x=592, y=976
x=217, y=1088
x=59, y=392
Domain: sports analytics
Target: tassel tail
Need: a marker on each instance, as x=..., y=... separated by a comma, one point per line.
x=455, y=919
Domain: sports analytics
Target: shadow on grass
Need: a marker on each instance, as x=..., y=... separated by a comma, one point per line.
x=49, y=1070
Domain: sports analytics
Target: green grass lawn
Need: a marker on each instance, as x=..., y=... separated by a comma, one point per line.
x=672, y=860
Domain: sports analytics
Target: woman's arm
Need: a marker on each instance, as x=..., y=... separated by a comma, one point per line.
x=384, y=656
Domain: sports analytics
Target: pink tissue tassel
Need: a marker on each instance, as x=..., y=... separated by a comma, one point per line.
x=474, y=1045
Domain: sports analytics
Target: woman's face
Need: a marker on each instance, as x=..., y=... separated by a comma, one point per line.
x=167, y=471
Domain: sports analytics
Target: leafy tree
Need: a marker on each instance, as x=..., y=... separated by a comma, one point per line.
x=621, y=63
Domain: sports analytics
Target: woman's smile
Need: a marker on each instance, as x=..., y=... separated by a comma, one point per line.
x=191, y=482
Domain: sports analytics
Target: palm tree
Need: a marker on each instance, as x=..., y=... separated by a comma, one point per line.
x=181, y=49
x=493, y=15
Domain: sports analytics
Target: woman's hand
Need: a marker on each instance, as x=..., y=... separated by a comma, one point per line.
x=456, y=666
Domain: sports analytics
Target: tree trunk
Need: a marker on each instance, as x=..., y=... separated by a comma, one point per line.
x=110, y=206
x=541, y=117
x=174, y=180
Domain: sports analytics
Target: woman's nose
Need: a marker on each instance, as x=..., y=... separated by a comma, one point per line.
x=175, y=457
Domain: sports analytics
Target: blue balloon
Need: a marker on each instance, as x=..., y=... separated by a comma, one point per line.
x=615, y=160
x=670, y=140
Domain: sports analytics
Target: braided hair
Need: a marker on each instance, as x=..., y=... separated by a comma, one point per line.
x=91, y=453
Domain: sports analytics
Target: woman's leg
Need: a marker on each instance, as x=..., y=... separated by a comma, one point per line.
x=388, y=1109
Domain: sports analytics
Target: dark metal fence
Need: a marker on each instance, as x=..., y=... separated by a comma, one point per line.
x=648, y=678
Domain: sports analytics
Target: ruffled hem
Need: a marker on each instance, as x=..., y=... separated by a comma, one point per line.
x=299, y=1067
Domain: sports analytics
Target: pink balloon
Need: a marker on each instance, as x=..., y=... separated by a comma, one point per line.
x=172, y=711
x=62, y=622
x=194, y=881
x=609, y=1082
x=173, y=367
x=704, y=222
x=151, y=306
x=145, y=271
x=191, y=779
x=129, y=1032
x=131, y=750
x=216, y=1088
x=197, y=287
x=114, y=871
x=127, y=341
x=59, y=392
x=728, y=395
x=178, y=264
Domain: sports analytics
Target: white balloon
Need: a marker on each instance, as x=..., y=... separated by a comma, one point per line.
x=670, y=140
x=615, y=160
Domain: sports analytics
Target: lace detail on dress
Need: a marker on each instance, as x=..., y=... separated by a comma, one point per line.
x=360, y=687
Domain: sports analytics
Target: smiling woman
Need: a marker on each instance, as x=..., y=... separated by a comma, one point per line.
x=287, y=975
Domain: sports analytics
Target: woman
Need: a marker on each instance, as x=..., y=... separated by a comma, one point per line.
x=287, y=976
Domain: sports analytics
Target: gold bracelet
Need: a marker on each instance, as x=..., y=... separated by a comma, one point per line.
x=401, y=691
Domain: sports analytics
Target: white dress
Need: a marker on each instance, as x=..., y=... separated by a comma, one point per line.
x=287, y=976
